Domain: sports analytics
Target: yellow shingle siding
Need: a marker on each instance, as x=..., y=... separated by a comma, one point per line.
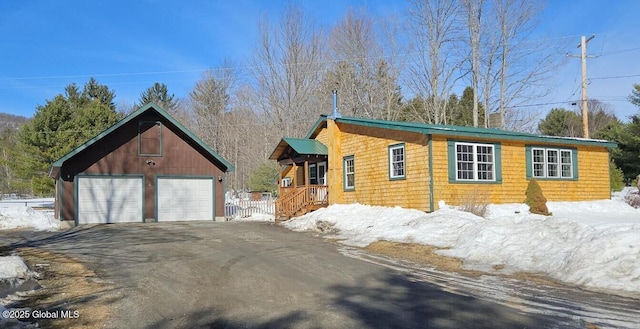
x=592, y=182
x=299, y=173
x=370, y=148
x=322, y=137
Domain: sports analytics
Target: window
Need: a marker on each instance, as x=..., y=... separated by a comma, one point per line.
x=396, y=162
x=313, y=174
x=552, y=163
x=349, y=173
x=474, y=162
x=286, y=181
x=149, y=138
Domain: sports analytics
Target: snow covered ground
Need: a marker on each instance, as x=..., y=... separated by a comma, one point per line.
x=20, y=214
x=594, y=245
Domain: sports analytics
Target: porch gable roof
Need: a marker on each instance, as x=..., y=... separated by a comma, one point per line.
x=299, y=146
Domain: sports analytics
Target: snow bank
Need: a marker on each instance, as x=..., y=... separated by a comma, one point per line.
x=13, y=272
x=13, y=267
x=360, y=225
x=19, y=216
x=255, y=218
x=595, y=245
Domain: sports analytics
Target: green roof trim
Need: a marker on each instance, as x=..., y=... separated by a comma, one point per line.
x=149, y=106
x=472, y=132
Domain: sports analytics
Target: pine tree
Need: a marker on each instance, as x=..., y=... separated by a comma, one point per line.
x=159, y=94
x=58, y=127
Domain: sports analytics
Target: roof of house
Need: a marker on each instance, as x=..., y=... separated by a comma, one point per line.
x=447, y=130
x=148, y=107
x=301, y=146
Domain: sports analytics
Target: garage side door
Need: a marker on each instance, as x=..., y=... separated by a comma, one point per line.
x=182, y=199
x=110, y=200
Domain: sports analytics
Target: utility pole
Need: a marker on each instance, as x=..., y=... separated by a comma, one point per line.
x=583, y=57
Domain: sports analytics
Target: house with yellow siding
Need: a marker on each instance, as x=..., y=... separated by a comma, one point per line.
x=414, y=165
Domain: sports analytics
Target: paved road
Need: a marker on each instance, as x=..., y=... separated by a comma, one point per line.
x=258, y=275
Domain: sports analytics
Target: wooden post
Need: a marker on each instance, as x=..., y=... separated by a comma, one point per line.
x=279, y=179
x=334, y=162
x=306, y=173
x=295, y=175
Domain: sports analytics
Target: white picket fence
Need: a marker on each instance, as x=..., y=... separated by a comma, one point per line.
x=238, y=208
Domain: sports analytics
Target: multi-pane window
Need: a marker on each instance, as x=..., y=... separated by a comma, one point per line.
x=475, y=162
x=552, y=163
x=349, y=173
x=396, y=161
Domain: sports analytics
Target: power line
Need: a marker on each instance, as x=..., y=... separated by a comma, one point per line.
x=616, y=77
x=617, y=51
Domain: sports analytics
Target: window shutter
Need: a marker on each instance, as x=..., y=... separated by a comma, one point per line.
x=451, y=155
x=497, y=149
x=574, y=160
x=528, y=161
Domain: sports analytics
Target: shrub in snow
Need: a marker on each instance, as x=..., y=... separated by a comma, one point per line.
x=474, y=202
x=535, y=199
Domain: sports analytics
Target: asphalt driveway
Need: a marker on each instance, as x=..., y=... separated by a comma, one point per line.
x=258, y=275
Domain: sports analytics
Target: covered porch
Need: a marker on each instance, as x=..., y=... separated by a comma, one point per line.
x=302, y=177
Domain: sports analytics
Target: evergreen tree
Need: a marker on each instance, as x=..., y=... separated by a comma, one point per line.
x=159, y=94
x=634, y=98
x=262, y=177
x=60, y=126
x=462, y=114
x=561, y=122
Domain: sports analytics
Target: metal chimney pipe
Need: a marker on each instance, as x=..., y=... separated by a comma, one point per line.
x=335, y=114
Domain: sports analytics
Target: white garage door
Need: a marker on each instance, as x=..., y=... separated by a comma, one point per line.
x=110, y=200
x=181, y=199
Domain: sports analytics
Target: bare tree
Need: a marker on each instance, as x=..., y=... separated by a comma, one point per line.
x=526, y=64
x=435, y=67
x=600, y=115
x=473, y=12
x=210, y=102
x=287, y=68
x=366, y=79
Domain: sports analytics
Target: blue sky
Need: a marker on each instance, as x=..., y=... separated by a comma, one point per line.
x=129, y=45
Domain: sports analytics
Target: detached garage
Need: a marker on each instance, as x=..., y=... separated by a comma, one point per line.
x=146, y=168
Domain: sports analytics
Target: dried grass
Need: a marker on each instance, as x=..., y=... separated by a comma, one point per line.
x=474, y=202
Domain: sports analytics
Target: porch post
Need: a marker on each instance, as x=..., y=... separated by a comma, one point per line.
x=306, y=172
x=279, y=179
x=295, y=175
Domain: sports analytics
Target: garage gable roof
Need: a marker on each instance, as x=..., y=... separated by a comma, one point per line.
x=150, y=106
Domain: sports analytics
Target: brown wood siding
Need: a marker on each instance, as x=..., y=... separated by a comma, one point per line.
x=117, y=154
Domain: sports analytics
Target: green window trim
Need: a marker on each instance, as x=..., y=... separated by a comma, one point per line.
x=141, y=123
x=451, y=163
x=404, y=161
x=345, y=174
x=529, y=162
